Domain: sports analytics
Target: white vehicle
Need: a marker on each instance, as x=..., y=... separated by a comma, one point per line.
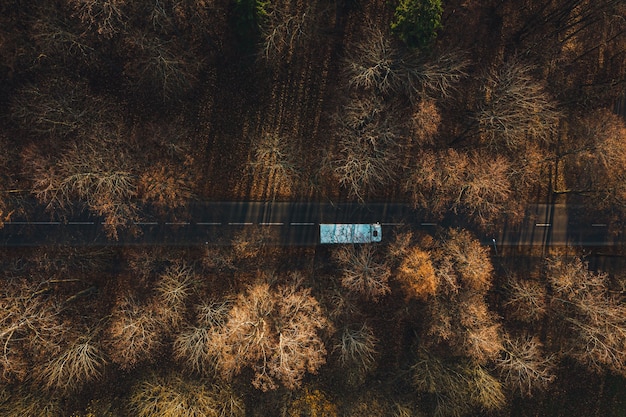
x=350, y=233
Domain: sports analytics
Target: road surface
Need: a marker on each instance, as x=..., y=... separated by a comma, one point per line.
x=215, y=223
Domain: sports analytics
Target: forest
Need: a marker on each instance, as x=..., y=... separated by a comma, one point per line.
x=468, y=109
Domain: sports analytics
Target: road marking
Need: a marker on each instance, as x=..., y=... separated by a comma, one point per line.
x=598, y=224
x=146, y=223
x=392, y=224
x=428, y=224
x=240, y=224
x=302, y=224
x=209, y=224
x=543, y=224
x=77, y=223
x=177, y=223
x=271, y=224
x=37, y=223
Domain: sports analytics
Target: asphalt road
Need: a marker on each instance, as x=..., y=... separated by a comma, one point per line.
x=296, y=224
x=207, y=223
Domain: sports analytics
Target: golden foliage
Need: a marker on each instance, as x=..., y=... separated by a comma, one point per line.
x=417, y=275
x=312, y=403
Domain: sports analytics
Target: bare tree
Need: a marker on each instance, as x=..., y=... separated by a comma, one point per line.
x=275, y=332
x=92, y=173
x=595, y=315
x=469, y=259
x=372, y=64
x=458, y=387
x=475, y=184
x=594, y=159
x=22, y=401
x=366, y=157
x=197, y=345
x=173, y=289
x=486, y=190
x=106, y=17
x=159, y=184
x=164, y=67
x=7, y=178
x=376, y=64
x=527, y=300
x=58, y=41
x=79, y=363
x=134, y=333
x=357, y=347
x=362, y=272
x=480, y=333
x=435, y=180
x=524, y=367
x=459, y=318
x=275, y=159
x=283, y=30
x=30, y=327
x=515, y=109
x=61, y=106
x=432, y=76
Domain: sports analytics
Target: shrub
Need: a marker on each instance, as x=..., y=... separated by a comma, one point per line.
x=312, y=403
x=416, y=22
x=21, y=403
